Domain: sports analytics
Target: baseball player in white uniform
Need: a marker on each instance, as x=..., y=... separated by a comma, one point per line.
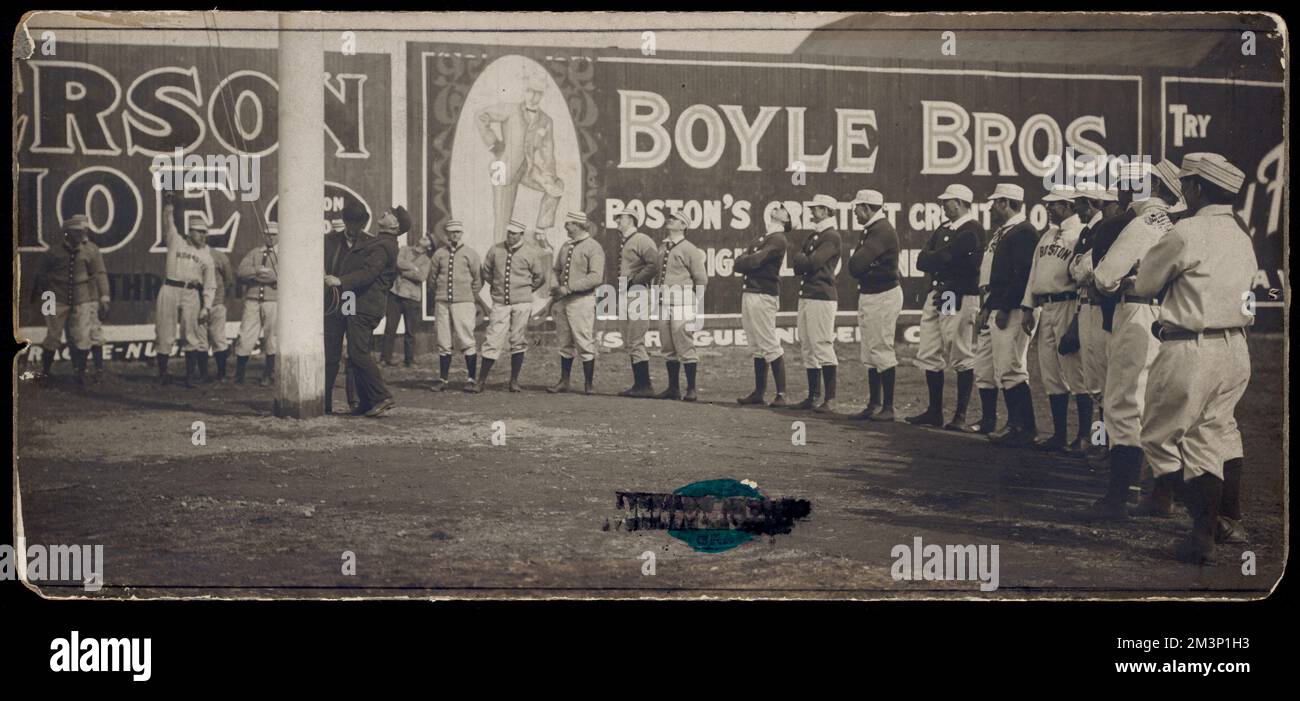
x=1092, y=340
x=1205, y=267
x=259, y=273
x=1132, y=347
x=186, y=295
x=1053, y=293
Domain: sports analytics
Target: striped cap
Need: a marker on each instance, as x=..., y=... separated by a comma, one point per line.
x=1189, y=162
x=455, y=225
x=576, y=217
x=680, y=216
x=77, y=222
x=336, y=225
x=1167, y=172
x=516, y=226
x=1217, y=170
x=198, y=226
x=273, y=228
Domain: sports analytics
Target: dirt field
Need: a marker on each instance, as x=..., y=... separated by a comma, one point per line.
x=431, y=508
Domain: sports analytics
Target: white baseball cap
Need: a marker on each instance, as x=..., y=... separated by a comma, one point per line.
x=1060, y=193
x=871, y=197
x=1008, y=191
x=958, y=192
x=824, y=201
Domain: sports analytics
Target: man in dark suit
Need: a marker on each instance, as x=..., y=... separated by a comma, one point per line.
x=361, y=267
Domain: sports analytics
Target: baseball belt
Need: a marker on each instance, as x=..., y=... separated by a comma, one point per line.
x=1175, y=334
x=1055, y=297
x=1135, y=299
x=183, y=285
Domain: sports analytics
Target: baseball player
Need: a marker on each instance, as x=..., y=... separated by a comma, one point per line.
x=1205, y=267
x=258, y=272
x=73, y=270
x=682, y=279
x=985, y=380
x=816, y=262
x=187, y=292
x=1012, y=250
x=760, y=300
x=638, y=264
x=1089, y=331
x=364, y=265
x=456, y=276
x=218, y=341
x=514, y=272
x=579, y=269
x=952, y=258
x=1053, y=293
x=406, y=299
x=1132, y=347
x=874, y=264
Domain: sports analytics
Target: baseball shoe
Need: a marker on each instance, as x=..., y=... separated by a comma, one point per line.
x=438, y=385
x=1229, y=530
x=826, y=407
x=958, y=423
x=930, y=417
x=984, y=427
x=514, y=386
x=381, y=408
x=751, y=398
x=867, y=414
x=670, y=393
x=885, y=414
x=809, y=403
x=1054, y=444
x=1107, y=510
x=778, y=402
x=1022, y=438
x=473, y=387
x=690, y=395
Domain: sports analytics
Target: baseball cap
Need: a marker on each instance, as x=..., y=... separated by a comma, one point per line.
x=958, y=192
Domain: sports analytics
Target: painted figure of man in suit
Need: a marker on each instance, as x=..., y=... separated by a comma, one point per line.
x=523, y=146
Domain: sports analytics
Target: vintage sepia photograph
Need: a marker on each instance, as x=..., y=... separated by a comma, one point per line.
x=645, y=306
